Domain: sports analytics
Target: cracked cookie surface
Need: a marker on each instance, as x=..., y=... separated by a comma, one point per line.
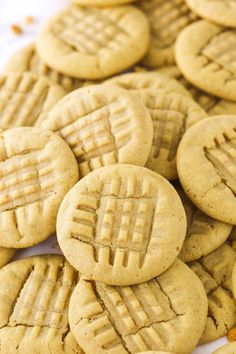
x=37, y=169
x=206, y=164
x=93, y=42
x=215, y=272
x=166, y=313
x=121, y=225
x=206, y=50
x=34, y=303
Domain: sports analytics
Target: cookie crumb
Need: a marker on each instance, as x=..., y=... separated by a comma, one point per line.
x=16, y=29
x=29, y=20
x=231, y=335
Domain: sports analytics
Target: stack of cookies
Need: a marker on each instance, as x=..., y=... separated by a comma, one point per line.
x=118, y=133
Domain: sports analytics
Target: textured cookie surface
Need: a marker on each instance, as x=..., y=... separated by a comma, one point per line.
x=211, y=104
x=121, y=225
x=229, y=348
x=25, y=100
x=27, y=59
x=93, y=43
x=222, y=12
x=6, y=255
x=167, y=313
x=167, y=18
x=37, y=169
x=34, y=303
x=206, y=163
x=145, y=80
x=206, y=50
x=103, y=126
x=215, y=272
x=172, y=114
x=204, y=234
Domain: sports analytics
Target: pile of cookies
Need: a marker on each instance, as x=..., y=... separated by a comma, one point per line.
x=118, y=133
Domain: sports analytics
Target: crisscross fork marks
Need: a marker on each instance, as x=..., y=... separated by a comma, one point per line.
x=222, y=50
x=117, y=221
x=223, y=158
x=89, y=30
x=167, y=18
x=21, y=100
x=25, y=179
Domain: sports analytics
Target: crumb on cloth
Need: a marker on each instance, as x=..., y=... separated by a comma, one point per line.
x=29, y=20
x=16, y=29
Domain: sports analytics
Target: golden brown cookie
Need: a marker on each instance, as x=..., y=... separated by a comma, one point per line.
x=204, y=234
x=102, y=3
x=215, y=272
x=6, y=254
x=205, y=53
x=92, y=42
x=25, y=100
x=211, y=104
x=206, y=163
x=167, y=18
x=167, y=313
x=103, y=125
x=121, y=225
x=27, y=59
x=34, y=303
x=221, y=12
x=37, y=169
x=229, y=348
x=172, y=114
x=155, y=352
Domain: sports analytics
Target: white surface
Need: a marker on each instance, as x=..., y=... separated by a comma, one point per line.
x=14, y=12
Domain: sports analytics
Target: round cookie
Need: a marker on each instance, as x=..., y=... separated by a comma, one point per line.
x=167, y=313
x=34, y=303
x=27, y=59
x=121, y=225
x=145, y=80
x=92, y=42
x=25, y=100
x=211, y=104
x=205, y=55
x=206, y=163
x=215, y=272
x=221, y=12
x=172, y=114
x=6, y=254
x=204, y=234
x=229, y=348
x=37, y=169
x=103, y=125
x=102, y=3
x=167, y=18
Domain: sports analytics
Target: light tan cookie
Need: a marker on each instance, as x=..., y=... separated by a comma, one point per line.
x=34, y=303
x=234, y=276
x=155, y=352
x=167, y=313
x=6, y=254
x=25, y=100
x=145, y=80
x=37, y=169
x=211, y=104
x=206, y=163
x=221, y=12
x=102, y=3
x=215, y=272
x=121, y=225
x=27, y=59
x=103, y=125
x=204, y=234
x=94, y=43
x=229, y=348
x=167, y=18
x=172, y=114
x=205, y=54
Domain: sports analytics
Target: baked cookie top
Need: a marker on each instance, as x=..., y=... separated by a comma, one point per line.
x=34, y=303
x=206, y=161
x=205, y=53
x=166, y=313
x=93, y=42
x=103, y=125
x=121, y=225
x=37, y=169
